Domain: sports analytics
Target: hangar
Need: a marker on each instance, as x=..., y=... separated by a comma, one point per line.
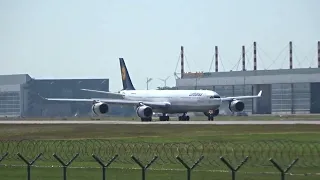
x=19, y=96
x=289, y=91
x=285, y=91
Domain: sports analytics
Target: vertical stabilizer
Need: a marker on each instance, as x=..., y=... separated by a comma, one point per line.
x=126, y=80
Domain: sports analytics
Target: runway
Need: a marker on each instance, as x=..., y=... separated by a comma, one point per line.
x=165, y=122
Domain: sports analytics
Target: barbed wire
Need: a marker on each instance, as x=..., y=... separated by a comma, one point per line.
x=259, y=152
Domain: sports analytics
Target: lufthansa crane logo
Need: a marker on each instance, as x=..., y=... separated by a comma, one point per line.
x=123, y=73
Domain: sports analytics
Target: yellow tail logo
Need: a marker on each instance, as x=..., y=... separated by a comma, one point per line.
x=123, y=73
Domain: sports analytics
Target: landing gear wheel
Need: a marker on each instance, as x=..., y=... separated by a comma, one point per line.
x=163, y=118
x=210, y=117
x=184, y=118
x=146, y=119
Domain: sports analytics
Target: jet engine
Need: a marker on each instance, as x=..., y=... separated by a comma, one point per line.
x=100, y=108
x=144, y=111
x=236, y=106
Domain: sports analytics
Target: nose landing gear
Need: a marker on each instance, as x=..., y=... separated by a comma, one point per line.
x=211, y=114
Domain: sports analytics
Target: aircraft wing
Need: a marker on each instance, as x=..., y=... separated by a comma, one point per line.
x=104, y=92
x=241, y=97
x=115, y=101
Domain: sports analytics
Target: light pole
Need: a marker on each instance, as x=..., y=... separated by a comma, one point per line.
x=148, y=80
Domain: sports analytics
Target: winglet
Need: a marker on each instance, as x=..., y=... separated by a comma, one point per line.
x=43, y=98
x=260, y=92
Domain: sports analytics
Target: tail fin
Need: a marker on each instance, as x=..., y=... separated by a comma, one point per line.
x=126, y=81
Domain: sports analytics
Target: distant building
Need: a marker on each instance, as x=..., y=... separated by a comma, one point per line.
x=287, y=91
x=19, y=96
x=11, y=94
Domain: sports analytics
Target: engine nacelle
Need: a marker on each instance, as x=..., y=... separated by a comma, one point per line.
x=144, y=111
x=236, y=106
x=100, y=108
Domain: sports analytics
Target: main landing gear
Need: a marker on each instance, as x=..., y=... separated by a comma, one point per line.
x=164, y=117
x=146, y=119
x=184, y=117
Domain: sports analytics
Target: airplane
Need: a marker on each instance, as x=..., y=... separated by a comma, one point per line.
x=148, y=102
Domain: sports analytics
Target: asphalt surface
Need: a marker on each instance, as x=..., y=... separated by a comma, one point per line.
x=162, y=122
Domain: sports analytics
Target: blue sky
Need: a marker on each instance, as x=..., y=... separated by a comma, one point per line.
x=84, y=39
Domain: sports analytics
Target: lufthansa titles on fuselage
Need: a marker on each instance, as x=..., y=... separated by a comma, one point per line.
x=195, y=94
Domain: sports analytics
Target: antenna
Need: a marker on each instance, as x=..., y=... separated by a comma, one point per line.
x=290, y=55
x=182, y=61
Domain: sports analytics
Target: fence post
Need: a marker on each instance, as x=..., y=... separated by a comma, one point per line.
x=144, y=168
x=283, y=171
x=233, y=170
x=29, y=164
x=65, y=165
x=189, y=168
x=3, y=156
x=104, y=166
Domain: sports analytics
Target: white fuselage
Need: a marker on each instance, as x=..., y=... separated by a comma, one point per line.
x=181, y=101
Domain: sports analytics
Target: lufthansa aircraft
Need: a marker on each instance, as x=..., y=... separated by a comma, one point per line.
x=166, y=102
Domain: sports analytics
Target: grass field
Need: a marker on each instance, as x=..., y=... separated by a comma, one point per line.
x=260, y=142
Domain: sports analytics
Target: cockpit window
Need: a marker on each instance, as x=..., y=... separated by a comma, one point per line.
x=215, y=96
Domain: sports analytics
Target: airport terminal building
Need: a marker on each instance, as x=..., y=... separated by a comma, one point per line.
x=19, y=96
x=285, y=91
